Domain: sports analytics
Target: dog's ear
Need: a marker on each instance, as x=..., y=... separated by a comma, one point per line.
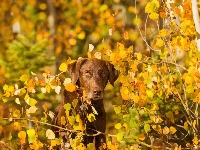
x=113, y=73
x=74, y=68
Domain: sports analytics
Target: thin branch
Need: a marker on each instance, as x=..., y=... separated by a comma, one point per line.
x=6, y=145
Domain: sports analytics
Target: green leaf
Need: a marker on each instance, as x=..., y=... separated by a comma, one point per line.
x=147, y=128
x=67, y=106
x=119, y=136
x=75, y=102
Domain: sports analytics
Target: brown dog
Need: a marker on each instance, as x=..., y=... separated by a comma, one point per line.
x=90, y=75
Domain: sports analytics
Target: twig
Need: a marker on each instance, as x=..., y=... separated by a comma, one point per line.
x=5, y=145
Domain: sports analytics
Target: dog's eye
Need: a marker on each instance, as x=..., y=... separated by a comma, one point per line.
x=102, y=74
x=87, y=72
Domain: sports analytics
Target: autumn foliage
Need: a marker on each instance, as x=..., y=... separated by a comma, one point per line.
x=157, y=102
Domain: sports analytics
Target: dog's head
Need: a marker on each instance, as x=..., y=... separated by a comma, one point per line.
x=92, y=75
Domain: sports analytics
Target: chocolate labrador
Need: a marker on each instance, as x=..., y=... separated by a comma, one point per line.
x=90, y=75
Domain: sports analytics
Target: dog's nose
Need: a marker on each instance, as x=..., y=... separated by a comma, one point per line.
x=97, y=92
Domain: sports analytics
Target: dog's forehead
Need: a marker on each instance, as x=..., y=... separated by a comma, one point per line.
x=94, y=64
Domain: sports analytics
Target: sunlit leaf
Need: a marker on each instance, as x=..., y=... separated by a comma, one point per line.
x=91, y=47
x=195, y=140
x=63, y=67
x=117, y=109
x=50, y=134
x=172, y=130
x=141, y=137
x=57, y=89
x=70, y=87
x=91, y=117
x=118, y=126
x=31, y=135
x=119, y=136
x=166, y=130
x=23, y=78
x=17, y=101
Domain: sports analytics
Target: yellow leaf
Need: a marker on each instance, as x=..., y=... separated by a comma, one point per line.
x=195, y=140
x=53, y=143
x=159, y=42
x=89, y=54
x=118, y=126
x=152, y=6
x=149, y=93
x=188, y=79
x=141, y=137
x=63, y=67
x=124, y=90
x=134, y=66
x=63, y=121
x=91, y=117
x=31, y=135
x=163, y=33
x=172, y=130
x=106, y=15
x=194, y=123
x=122, y=53
x=70, y=87
x=23, y=78
x=17, y=126
x=139, y=56
x=154, y=16
x=22, y=134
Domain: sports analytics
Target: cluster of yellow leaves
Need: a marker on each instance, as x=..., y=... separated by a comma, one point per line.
x=152, y=8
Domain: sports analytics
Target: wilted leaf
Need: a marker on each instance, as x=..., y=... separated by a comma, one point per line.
x=50, y=134
x=97, y=55
x=57, y=89
x=165, y=130
x=91, y=47
x=17, y=101
x=43, y=90
x=67, y=81
x=32, y=109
